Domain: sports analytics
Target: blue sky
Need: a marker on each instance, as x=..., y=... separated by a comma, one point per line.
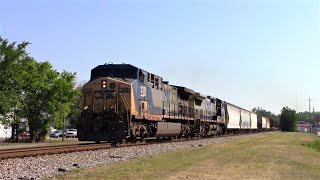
x=249, y=52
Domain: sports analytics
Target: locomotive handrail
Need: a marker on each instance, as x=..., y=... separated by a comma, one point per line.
x=185, y=111
x=125, y=102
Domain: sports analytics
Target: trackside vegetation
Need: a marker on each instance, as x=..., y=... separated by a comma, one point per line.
x=288, y=119
x=277, y=155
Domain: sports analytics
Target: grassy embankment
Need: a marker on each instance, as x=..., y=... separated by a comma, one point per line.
x=271, y=156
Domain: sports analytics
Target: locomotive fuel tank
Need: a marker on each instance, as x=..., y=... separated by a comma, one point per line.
x=166, y=129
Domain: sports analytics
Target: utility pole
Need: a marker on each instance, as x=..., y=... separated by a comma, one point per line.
x=309, y=109
x=296, y=102
x=64, y=128
x=313, y=114
x=16, y=125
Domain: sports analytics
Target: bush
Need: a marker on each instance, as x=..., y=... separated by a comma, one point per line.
x=288, y=119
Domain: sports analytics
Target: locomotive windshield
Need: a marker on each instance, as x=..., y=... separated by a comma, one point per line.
x=114, y=70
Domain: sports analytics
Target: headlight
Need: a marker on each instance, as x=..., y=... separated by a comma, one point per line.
x=104, y=84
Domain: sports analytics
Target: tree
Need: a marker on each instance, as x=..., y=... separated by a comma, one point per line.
x=266, y=113
x=11, y=55
x=288, y=119
x=308, y=117
x=48, y=96
x=34, y=89
x=76, y=110
x=66, y=104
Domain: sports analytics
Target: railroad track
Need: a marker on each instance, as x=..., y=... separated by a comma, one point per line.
x=58, y=149
x=36, y=151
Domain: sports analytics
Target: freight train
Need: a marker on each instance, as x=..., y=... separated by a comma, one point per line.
x=123, y=102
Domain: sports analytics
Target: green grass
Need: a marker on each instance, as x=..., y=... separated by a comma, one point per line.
x=271, y=156
x=314, y=145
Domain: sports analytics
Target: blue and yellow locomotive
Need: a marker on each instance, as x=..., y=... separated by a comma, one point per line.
x=122, y=102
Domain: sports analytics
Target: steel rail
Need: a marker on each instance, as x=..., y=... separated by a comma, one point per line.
x=44, y=150
x=58, y=149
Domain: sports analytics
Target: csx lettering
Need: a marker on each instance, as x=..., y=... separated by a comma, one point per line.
x=124, y=90
x=101, y=94
x=143, y=91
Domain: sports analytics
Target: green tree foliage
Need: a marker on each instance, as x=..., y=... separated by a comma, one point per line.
x=34, y=89
x=76, y=110
x=6, y=119
x=11, y=55
x=48, y=96
x=288, y=119
x=266, y=113
x=66, y=104
x=308, y=117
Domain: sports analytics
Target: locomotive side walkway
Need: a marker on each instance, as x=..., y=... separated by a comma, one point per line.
x=271, y=156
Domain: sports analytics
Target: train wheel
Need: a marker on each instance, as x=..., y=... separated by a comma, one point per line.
x=131, y=139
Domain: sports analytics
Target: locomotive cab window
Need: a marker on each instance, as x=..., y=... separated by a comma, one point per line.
x=141, y=76
x=152, y=80
x=112, y=85
x=156, y=83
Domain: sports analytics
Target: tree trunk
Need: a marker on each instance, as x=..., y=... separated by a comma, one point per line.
x=17, y=132
x=13, y=132
x=32, y=132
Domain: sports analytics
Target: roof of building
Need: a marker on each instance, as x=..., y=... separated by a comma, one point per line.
x=303, y=124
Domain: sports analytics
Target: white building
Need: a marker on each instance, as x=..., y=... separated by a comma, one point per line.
x=5, y=128
x=5, y=131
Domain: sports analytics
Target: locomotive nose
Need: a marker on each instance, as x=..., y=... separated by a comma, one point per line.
x=106, y=126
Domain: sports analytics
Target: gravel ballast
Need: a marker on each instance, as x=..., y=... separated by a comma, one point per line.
x=50, y=165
